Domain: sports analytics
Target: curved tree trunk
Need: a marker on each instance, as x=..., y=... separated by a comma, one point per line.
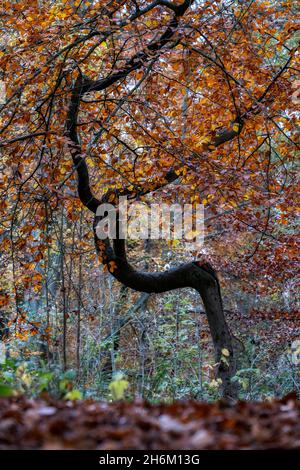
x=200, y=277
x=194, y=275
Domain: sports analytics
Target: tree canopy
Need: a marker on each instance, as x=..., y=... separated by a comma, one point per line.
x=190, y=101
x=166, y=79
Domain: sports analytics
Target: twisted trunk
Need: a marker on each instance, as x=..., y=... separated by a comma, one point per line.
x=200, y=277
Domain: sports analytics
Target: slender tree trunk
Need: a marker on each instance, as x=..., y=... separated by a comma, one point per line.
x=79, y=298
x=63, y=291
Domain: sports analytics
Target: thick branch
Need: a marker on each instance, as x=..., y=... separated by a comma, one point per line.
x=139, y=59
x=200, y=277
x=84, y=85
x=84, y=190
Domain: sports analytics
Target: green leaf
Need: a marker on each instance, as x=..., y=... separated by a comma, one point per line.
x=118, y=387
x=73, y=395
x=225, y=352
x=70, y=375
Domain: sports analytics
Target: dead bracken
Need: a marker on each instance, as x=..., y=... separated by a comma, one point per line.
x=46, y=423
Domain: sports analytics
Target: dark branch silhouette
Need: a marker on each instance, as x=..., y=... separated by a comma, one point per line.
x=195, y=275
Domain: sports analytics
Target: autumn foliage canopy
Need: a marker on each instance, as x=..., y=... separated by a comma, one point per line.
x=166, y=80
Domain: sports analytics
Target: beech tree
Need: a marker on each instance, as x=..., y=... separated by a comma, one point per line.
x=196, y=99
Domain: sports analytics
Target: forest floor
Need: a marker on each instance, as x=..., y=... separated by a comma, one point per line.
x=46, y=423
